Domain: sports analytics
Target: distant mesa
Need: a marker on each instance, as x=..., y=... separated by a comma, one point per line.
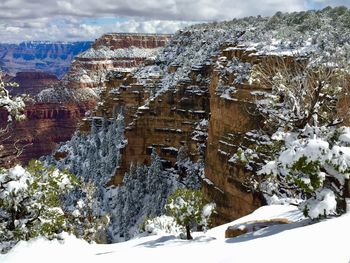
x=51, y=57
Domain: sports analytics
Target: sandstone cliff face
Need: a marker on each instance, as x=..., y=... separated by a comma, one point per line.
x=173, y=119
x=61, y=105
x=127, y=40
x=231, y=118
x=112, y=52
x=168, y=118
x=31, y=83
x=46, y=126
x=166, y=123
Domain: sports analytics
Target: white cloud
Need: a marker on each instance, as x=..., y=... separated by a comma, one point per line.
x=12, y=29
x=71, y=19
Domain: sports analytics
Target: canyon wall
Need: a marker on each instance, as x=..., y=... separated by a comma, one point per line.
x=199, y=113
x=173, y=119
x=31, y=83
x=46, y=125
x=60, y=105
x=112, y=52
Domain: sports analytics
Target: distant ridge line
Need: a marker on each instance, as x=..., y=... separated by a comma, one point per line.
x=137, y=34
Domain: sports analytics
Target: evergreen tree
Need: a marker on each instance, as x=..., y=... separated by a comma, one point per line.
x=30, y=202
x=188, y=208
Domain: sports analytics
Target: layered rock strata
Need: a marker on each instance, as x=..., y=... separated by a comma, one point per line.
x=46, y=125
x=31, y=83
x=112, y=52
x=59, y=106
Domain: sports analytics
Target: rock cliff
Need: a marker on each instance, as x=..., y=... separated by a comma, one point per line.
x=197, y=112
x=31, y=83
x=196, y=93
x=112, y=52
x=46, y=125
x=60, y=105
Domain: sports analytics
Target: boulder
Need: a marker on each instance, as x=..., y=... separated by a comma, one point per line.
x=251, y=226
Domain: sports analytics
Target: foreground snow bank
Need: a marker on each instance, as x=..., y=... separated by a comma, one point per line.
x=321, y=242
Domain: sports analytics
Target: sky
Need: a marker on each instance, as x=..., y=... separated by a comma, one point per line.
x=75, y=20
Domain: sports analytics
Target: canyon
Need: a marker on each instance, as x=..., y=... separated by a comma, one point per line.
x=195, y=113
x=40, y=56
x=30, y=82
x=197, y=94
x=189, y=91
x=58, y=106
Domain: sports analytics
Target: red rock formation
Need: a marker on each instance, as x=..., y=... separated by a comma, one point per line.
x=46, y=126
x=126, y=40
x=31, y=83
x=169, y=121
x=54, y=120
x=117, y=51
x=229, y=121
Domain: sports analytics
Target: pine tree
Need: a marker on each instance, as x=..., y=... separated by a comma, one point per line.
x=188, y=208
x=30, y=202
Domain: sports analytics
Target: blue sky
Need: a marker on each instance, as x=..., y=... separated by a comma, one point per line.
x=71, y=20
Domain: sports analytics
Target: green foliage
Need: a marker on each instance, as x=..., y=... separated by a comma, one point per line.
x=30, y=201
x=31, y=205
x=188, y=208
x=84, y=222
x=306, y=211
x=310, y=170
x=242, y=157
x=144, y=223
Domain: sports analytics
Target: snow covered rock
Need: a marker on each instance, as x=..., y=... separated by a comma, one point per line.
x=251, y=226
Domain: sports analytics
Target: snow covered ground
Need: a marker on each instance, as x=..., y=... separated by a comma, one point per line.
x=296, y=242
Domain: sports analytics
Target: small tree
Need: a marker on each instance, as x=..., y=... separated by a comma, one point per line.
x=86, y=221
x=30, y=202
x=33, y=202
x=299, y=92
x=188, y=208
x=14, y=107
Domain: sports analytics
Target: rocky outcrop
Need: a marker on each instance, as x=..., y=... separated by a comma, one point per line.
x=166, y=123
x=112, y=52
x=127, y=40
x=51, y=57
x=60, y=106
x=252, y=226
x=167, y=119
x=46, y=125
x=202, y=112
x=31, y=83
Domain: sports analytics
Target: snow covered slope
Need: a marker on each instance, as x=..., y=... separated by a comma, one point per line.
x=319, y=242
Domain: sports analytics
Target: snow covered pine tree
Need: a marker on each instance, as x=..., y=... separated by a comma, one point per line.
x=306, y=145
x=14, y=107
x=188, y=208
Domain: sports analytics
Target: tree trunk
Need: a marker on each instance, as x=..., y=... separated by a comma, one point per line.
x=347, y=195
x=188, y=233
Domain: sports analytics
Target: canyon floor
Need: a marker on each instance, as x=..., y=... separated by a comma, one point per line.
x=295, y=242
